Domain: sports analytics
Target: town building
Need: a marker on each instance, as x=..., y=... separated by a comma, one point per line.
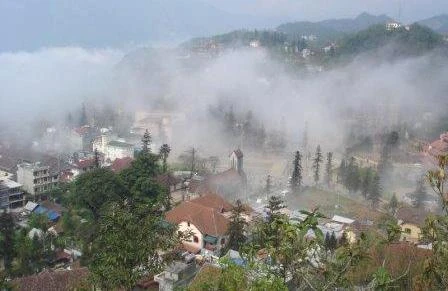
x=113, y=149
x=11, y=194
x=207, y=218
x=36, y=178
x=81, y=138
x=410, y=221
x=436, y=148
x=176, y=276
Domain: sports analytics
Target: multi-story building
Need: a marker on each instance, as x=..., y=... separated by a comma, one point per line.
x=11, y=194
x=113, y=149
x=36, y=178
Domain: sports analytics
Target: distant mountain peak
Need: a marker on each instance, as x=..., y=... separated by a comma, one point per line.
x=437, y=23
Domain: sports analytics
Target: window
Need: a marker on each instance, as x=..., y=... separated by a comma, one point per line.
x=188, y=223
x=195, y=239
x=223, y=241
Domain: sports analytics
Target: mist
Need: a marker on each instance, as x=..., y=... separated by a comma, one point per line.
x=368, y=94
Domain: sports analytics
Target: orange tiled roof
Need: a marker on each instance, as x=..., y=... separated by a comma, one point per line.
x=207, y=218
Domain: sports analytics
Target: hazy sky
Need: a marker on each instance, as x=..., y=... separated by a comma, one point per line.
x=411, y=10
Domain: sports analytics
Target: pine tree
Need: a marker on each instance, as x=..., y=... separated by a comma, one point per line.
x=353, y=180
x=237, y=227
x=146, y=142
x=375, y=191
x=83, y=118
x=365, y=185
x=316, y=164
x=420, y=193
x=328, y=169
x=296, y=178
x=342, y=172
x=275, y=204
x=164, y=153
x=333, y=241
x=393, y=204
x=327, y=243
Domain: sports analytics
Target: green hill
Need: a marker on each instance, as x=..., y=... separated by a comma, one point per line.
x=401, y=41
x=331, y=30
x=437, y=23
x=239, y=38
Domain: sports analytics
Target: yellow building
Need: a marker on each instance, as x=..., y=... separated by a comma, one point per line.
x=410, y=220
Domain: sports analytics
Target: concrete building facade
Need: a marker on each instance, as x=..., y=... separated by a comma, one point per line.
x=11, y=194
x=36, y=178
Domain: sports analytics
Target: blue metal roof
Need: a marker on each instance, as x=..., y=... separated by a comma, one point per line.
x=53, y=215
x=40, y=210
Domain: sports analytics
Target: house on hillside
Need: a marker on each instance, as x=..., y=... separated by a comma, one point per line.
x=207, y=217
x=410, y=220
x=436, y=148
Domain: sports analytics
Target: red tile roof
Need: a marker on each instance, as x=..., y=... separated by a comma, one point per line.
x=411, y=215
x=120, y=164
x=82, y=130
x=87, y=163
x=51, y=280
x=214, y=201
x=204, y=212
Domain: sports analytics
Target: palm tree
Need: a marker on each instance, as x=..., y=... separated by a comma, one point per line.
x=164, y=152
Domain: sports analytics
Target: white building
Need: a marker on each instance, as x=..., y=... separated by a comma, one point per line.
x=113, y=149
x=36, y=178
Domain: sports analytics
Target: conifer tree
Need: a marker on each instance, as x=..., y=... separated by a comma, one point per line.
x=393, y=204
x=328, y=169
x=375, y=191
x=420, y=193
x=83, y=118
x=333, y=241
x=316, y=164
x=275, y=204
x=146, y=142
x=296, y=178
x=365, y=184
x=237, y=227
